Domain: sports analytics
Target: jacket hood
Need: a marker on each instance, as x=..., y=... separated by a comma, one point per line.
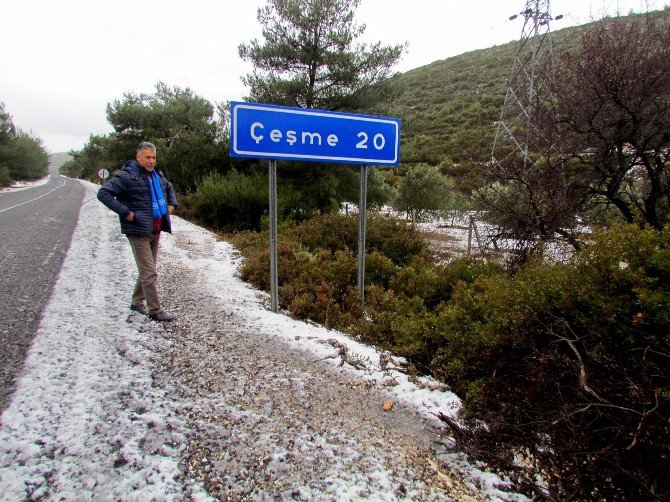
x=131, y=165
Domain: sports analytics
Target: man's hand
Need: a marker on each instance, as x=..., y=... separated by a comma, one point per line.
x=170, y=209
x=130, y=217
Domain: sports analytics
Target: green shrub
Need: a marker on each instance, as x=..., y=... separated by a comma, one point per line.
x=331, y=231
x=5, y=180
x=570, y=362
x=395, y=240
x=237, y=201
x=379, y=269
x=415, y=281
x=318, y=264
x=401, y=326
x=230, y=202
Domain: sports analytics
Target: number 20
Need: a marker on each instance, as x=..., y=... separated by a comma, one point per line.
x=378, y=141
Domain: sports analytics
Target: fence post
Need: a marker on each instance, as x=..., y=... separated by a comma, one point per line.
x=470, y=225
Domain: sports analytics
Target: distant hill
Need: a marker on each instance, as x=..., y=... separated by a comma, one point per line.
x=449, y=108
x=56, y=160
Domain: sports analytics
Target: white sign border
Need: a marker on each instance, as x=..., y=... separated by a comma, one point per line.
x=307, y=111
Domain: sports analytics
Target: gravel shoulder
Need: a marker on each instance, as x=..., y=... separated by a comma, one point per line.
x=271, y=421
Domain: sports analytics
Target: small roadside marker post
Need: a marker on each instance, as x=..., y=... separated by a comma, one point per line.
x=283, y=133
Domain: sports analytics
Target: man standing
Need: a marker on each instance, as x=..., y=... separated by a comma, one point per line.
x=144, y=199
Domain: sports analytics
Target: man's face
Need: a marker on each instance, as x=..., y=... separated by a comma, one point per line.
x=147, y=159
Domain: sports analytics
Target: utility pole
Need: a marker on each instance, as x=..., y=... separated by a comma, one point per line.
x=516, y=132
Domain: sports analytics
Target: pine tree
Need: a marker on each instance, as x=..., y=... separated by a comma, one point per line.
x=310, y=57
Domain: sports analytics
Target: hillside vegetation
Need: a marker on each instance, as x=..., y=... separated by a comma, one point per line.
x=449, y=108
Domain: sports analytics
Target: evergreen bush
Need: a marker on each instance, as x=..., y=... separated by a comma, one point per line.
x=5, y=179
x=230, y=202
x=570, y=363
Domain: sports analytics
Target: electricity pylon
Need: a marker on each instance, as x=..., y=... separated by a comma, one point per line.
x=517, y=132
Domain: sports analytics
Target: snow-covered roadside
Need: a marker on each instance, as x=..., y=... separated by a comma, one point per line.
x=87, y=418
x=250, y=308
x=22, y=185
x=78, y=423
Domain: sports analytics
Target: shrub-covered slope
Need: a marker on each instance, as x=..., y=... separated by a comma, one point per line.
x=450, y=108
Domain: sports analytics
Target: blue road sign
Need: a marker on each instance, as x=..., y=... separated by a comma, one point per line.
x=285, y=133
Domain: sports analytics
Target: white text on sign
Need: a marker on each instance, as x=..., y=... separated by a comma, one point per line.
x=291, y=136
x=311, y=138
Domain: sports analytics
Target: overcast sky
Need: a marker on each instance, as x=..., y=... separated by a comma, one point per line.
x=63, y=61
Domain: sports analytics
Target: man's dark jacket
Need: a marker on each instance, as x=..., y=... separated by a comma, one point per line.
x=128, y=191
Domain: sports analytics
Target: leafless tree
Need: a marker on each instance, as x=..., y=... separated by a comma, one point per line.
x=534, y=203
x=612, y=112
x=602, y=138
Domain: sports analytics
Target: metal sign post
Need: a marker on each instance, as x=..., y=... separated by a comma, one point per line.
x=272, y=132
x=362, y=210
x=273, y=235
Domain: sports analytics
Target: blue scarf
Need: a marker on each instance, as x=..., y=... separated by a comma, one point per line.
x=158, y=205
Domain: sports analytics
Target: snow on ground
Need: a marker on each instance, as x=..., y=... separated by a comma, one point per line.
x=450, y=232
x=86, y=418
x=22, y=185
x=72, y=427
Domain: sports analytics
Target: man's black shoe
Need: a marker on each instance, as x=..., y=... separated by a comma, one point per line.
x=139, y=308
x=162, y=317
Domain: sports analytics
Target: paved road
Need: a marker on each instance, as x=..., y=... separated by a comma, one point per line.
x=36, y=226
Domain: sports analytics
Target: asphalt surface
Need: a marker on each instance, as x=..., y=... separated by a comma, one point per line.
x=36, y=226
